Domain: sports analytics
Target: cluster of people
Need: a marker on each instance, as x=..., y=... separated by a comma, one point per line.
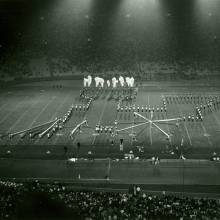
x=83, y=107
x=184, y=99
x=87, y=81
x=156, y=61
x=68, y=114
x=210, y=106
x=164, y=104
x=205, y=102
x=215, y=157
x=126, y=95
x=60, y=123
x=89, y=205
x=155, y=160
x=100, y=82
x=104, y=129
x=193, y=118
x=54, y=129
x=198, y=113
x=142, y=108
x=84, y=94
x=189, y=98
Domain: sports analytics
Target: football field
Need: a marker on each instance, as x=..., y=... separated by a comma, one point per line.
x=27, y=106
x=161, y=119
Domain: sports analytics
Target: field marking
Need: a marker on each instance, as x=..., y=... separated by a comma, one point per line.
x=38, y=115
x=100, y=118
x=216, y=118
x=42, y=110
x=205, y=132
x=23, y=114
x=6, y=98
x=14, y=109
x=109, y=168
x=184, y=124
x=150, y=125
x=166, y=116
x=84, y=115
x=54, y=114
x=3, y=106
x=190, y=142
x=54, y=141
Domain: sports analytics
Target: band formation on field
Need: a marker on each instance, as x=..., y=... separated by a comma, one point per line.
x=124, y=91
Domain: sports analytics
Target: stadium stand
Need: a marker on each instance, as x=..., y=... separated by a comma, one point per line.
x=44, y=200
x=152, y=42
x=41, y=67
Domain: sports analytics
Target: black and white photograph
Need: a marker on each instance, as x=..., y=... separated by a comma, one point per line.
x=110, y=109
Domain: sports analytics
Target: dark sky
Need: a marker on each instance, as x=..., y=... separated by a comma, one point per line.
x=111, y=31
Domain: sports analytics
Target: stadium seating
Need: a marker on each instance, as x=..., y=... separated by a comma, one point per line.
x=41, y=67
x=98, y=205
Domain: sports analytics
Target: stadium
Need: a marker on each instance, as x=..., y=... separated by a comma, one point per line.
x=109, y=109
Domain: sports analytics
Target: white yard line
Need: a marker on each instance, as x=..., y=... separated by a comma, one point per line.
x=38, y=115
x=45, y=107
x=10, y=112
x=184, y=124
x=132, y=130
x=65, y=99
x=23, y=114
x=187, y=132
x=150, y=127
x=100, y=118
x=42, y=110
x=205, y=131
x=133, y=121
x=216, y=118
x=54, y=115
x=3, y=106
x=6, y=100
x=206, y=134
x=166, y=114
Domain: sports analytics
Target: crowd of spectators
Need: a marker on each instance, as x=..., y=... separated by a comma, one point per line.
x=34, y=199
x=70, y=40
x=44, y=67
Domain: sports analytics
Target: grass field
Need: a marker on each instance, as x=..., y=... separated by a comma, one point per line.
x=24, y=106
x=27, y=105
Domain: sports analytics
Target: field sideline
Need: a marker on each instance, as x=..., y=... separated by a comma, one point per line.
x=190, y=176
